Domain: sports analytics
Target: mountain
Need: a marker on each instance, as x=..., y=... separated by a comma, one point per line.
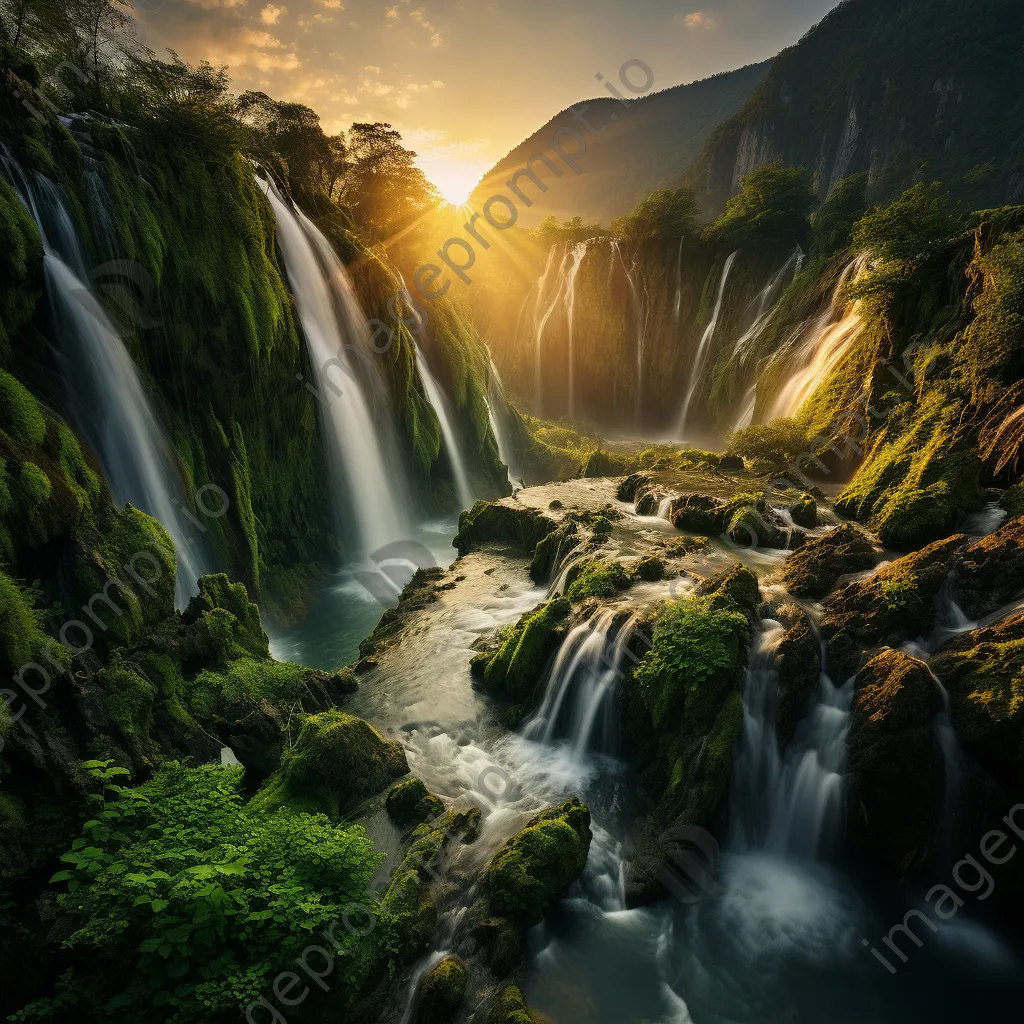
x=906, y=90
x=642, y=148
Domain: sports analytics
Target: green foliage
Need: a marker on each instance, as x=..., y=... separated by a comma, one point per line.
x=21, y=632
x=772, y=207
x=668, y=214
x=21, y=418
x=536, y=866
x=33, y=487
x=187, y=905
x=21, y=255
x=237, y=691
x=770, y=446
x=549, y=232
x=598, y=579
x=833, y=222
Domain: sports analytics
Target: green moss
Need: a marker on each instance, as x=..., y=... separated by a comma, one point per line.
x=552, y=550
x=218, y=594
x=411, y=801
x=336, y=763
x=21, y=633
x=535, y=868
x=502, y=522
x=805, y=512
x=21, y=417
x=650, y=569
x=813, y=570
x=130, y=699
x=237, y=691
x=21, y=258
x=598, y=579
x=600, y=463
x=516, y=668
x=509, y=1008
x=33, y=487
x=735, y=589
x=442, y=993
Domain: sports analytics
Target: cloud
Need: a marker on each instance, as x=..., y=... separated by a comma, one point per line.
x=270, y=14
x=699, y=19
x=393, y=12
x=373, y=68
x=261, y=39
x=334, y=5
x=420, y=17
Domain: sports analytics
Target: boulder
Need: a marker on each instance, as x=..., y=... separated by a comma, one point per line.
x=990, y=572
x=509, y=1008
x=648, y=501
x=698, y=513
x=502, y=522
x=798, y=662
x=409, y=801
x=442, y=992
x=632, y=486
x=895, y=767
x=552, y=550
x=805, y=511
x=814, y=570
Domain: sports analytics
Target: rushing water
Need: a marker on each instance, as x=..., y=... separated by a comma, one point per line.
x=373, y=478
x=105, y=394
x=499, y=416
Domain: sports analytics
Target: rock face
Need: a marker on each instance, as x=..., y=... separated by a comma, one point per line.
x=502, y=522
x=984, y=674
x=990, y=573
x=337, y=762
x=799, y=667
x=896, y=772
x=442, y=993
x=550, y=551
x=895, y=603
x=814, y=569
x=535, y=868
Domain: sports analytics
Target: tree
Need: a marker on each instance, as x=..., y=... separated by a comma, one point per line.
x=665, y=214
x=772, y=207
x=832, y=224
x=385, y=188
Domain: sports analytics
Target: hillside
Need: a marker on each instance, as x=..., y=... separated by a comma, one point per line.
x=646, y=147
x=903, y=89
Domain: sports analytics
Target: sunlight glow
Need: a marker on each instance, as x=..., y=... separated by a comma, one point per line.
x=455, y=179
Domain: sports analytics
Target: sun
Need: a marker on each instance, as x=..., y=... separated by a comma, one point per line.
x=455, y=179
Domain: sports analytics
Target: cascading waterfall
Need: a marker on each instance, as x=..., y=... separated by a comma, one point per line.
x=765, y=306
x=677, y=305
x=578, y=252
x=822, y=347
x=788, y=803
x=439, y=403
x=702, y=349
x=335, y=338
x=582, y=681
x=499, y=420
x=106, y=397
x=542, y=321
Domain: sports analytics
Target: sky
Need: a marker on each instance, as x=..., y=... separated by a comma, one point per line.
x=465, y=81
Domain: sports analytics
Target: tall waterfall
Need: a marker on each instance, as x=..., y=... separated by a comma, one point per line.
x=582, y=682
x=578, y=252
x=106, y=397
x=439, y=402
x=335, y=337
x=791, y=802
x=821, y=349
x=498, y=413
x=702, y=349
x=541, y=321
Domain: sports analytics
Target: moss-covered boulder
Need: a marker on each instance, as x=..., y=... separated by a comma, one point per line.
x=896, y=603
x=510, y=1008
x=648, y=501
x=536, y=867
x=442, y=992
x=552, y=550
x=649, y=569
x=984, y=674
x=698, y=513
x=222, y=623
x=798, y=662
x=514, y=669
x=409, y=801
x=600, y=463
x=990, y=572
x=632, y=486
x=599, y=578
x=338, y=761
x=804, y=511
x=814, y=570
x=502, y=522
x=895, y=768
x=757, y=525
x=735, y=588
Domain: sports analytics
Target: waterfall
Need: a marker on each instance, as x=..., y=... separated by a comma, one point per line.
x=439, y=402
x=332, y=326
x=541, y=322
x=702, y=348
x=765, y=307
x=746, y=413
x=822, y=348
x=106, y=397
x=578, y=252
x=677, y=305
x=788, y=803
x=582, y=681
x=507, y=448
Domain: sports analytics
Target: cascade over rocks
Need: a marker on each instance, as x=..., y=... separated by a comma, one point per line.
x=799, y=667
x=896, y=772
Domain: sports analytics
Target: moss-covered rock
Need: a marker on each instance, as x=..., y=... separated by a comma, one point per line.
x=650, y=569
x=442, y=992
x=217, y=591
x=698, y=513
x=337, y=762
x=896, y=603
x=599, y=578
x=984, y=674
x=552, y=550
x=990, y=572
x=814, y=570
x=409, y=801
x=516, y=667
x=536, y=867
x=733, y=589
x=648, y=501
x=509, y=1008
x=600, y=463
x=502, y=522
x=897, y=780
x=804, y=512
x=633, y=486
x=798, y=663
x=757, y=525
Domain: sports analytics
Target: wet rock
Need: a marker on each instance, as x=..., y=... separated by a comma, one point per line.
x=502, y=522
x=600, y=463
x=757, y=525
x=698, y=513
x=648, y=501
x=632, y=486
x=895, y=604
x=895, y=766
x=734, y=588
x=805, y=512
x=984, y=674
x=409, y=801
x=814, y=569
x=552, y=550
x=536, y=867
x=442, y=993
x=509, y=1008
x=990, y=573
x=731, y=464
x=649, y=569
x=799, y=667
